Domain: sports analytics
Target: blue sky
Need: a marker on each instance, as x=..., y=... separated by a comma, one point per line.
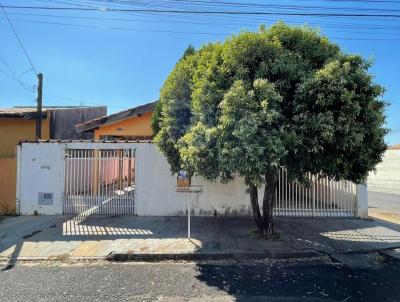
x=89, y=59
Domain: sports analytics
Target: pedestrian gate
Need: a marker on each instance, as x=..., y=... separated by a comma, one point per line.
x=99, y=181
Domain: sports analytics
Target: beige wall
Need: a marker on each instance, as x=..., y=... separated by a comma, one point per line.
x=8, y=171
x=139, y=126
x=14, y=130
x=387, y=176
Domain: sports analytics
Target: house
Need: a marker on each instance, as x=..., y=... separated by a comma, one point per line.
x=131, y=124
x=19, y=124
x=386, y=178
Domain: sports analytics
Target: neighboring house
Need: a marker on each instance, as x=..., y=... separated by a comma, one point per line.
x=19, y=124
x=131, y=124
x=386, y=179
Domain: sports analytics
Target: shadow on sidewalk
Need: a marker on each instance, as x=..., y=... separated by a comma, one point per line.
x=64, y=236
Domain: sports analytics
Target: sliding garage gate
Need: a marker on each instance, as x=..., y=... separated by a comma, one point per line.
x=99, y=181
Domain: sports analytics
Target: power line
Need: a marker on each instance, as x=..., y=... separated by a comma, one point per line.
x=20, y=83
x=340, y=25
x=332, y=25
x=192, y=17
x=25, y=72
x=83, y=102
x=19, y=40
x=388, y=39
x=363, y=1
x=212, y=3
x=119, y=28
x=206, y=12
x=12, y=75
x=7, y=74
x=64, y=2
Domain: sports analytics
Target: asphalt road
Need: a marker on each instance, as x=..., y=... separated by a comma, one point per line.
x=306, y=280
x=384, y=202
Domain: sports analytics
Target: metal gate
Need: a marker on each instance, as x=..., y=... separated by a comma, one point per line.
x=99, y=181
x=323, y=198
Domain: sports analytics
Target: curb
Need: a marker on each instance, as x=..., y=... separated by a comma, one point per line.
x=52, y=259
x=273, y=254
x=202, y=256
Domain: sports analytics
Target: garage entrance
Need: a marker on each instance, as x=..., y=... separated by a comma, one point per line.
x=99, y=182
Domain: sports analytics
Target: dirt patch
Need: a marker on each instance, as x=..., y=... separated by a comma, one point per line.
x=388, y=216
x=61, y=257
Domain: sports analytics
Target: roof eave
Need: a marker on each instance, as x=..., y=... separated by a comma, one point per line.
x=90, y=126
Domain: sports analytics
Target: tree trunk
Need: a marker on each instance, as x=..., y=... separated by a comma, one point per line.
x=264, y=222
x=255, y=207
x=271, y=181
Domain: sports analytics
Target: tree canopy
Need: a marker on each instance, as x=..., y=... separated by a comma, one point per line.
x=282, y=96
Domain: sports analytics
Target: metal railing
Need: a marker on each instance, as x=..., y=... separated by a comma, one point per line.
x=322, y=198
x=99, y=181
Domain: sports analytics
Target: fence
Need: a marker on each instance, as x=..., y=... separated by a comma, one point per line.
x=99, y=181
x=135, y=178
x=322, y=198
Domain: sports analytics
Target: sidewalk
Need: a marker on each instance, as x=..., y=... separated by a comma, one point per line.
x=157, y=238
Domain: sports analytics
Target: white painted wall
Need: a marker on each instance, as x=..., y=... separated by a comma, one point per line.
x=154, y=185
x=41, y=169
x=386, y=179
x=155, y=190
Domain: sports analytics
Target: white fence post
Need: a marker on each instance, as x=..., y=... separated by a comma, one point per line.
x=18, y=184
x=362, y=201
x=313, y=195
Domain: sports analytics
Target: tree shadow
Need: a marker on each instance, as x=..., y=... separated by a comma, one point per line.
x=316, y=279
x=306, y=280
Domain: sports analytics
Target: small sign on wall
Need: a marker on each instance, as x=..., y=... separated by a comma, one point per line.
x=182, y=179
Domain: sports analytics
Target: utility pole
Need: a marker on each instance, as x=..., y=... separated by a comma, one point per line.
x=39, y=107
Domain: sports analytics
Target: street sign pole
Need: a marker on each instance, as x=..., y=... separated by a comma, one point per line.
x=188, y=207
x=189, y=190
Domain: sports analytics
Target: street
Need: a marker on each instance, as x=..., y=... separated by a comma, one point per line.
x=384, y=206
x=319, y=279
x=384, y=201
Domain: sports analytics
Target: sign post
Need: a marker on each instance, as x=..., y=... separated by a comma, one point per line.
x=188, y=209
x=184, y=186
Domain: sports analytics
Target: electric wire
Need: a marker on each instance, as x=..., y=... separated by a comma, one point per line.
x=18, y=39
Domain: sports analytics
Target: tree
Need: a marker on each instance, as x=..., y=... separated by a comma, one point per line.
x=281, y=97
x=155, y=119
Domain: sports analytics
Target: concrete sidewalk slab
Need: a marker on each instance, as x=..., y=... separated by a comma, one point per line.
x=18, y=228
x=146, y=238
